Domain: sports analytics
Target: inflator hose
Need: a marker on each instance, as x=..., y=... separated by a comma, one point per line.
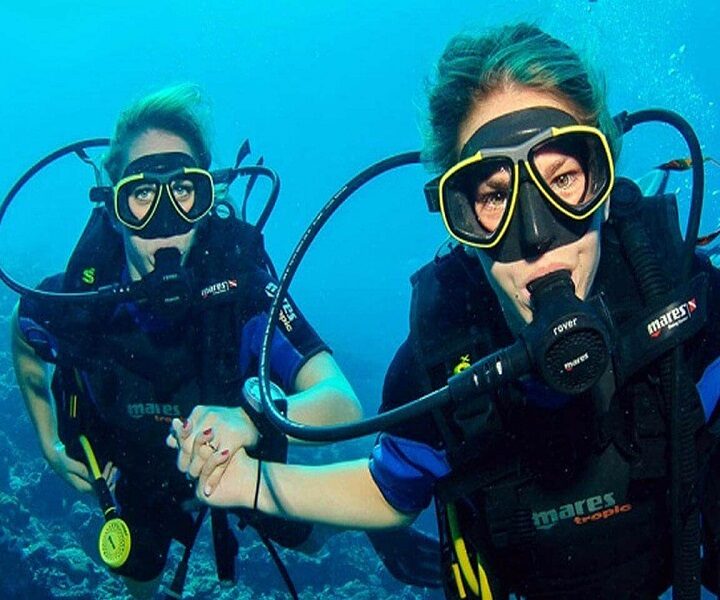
x=679, y=397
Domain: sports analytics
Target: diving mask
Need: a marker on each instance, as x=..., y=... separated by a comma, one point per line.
x=161, y=195
x=527, y=182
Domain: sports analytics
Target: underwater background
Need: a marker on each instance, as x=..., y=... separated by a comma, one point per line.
x=322, y=89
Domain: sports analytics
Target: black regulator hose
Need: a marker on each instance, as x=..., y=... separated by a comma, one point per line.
x=486, y=374
x=628, y=120
x=567, y=342
x=78, y=148
x=115, y=293
x=492, y=371
x=679, y=390
x=348, y=430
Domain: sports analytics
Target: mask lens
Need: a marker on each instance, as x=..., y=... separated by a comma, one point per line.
x=136, y=198
x=476, y=199
x=574, y=169
x=192, y=194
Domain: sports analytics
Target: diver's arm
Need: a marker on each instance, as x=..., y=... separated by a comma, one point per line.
x=341, y=494
x=32, y=377
x=324, y=396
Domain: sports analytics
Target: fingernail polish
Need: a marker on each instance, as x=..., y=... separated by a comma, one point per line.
x=185, y=424
x=225, y=452
x=208, y=431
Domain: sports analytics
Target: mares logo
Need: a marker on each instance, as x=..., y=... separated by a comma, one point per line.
x=571, y=364
x=160, y=412
x=594, y=508
x=218, y=288
x=287, y=312
x=671, y=318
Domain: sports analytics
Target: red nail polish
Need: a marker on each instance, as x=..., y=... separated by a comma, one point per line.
x=208, y=431
x=225, y=452
x=185, y=424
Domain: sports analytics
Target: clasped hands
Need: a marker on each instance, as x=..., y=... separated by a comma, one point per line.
x=209, y=442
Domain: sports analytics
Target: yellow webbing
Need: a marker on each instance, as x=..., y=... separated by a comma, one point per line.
x=459, y=581
x=479, y=584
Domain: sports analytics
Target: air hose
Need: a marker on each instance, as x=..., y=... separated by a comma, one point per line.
x=678, y=389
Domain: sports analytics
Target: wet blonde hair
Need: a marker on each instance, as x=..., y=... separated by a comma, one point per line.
x=178, y=109
x=474, y=66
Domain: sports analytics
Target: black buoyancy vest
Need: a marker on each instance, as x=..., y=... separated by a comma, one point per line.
x=124, y=376
x=551, y=514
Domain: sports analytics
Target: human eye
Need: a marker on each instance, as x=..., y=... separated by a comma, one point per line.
x=182, y=189
x=492, y=200
x=569, y=184
x=144, y=193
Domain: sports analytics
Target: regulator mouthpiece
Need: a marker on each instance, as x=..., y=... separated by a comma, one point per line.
x=568, y=341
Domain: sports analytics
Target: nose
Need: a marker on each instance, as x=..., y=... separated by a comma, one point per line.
x=536, y=223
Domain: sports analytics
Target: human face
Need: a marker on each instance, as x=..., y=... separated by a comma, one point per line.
x=140, y=252
x=580, y=257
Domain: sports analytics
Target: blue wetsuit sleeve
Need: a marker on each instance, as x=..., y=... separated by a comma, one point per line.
x=709, y=388
x=406, y=471
x=703, y=351
x=294, y=340
x=35, y=318
x=407, y=461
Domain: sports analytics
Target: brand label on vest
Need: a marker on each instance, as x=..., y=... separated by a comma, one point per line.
x=672, y=318
x=159, y=412
x=221, y=287
x=287, y=312
x=594, y=508
x=88, y=275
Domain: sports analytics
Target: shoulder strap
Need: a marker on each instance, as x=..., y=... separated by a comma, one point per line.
x=98, y=257
x=453, y=310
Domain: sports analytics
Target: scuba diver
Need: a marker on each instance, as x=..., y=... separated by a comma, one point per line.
x=158, y=315
x=557, y=393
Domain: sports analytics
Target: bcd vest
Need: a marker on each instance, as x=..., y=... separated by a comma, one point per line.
x=112, y=378
x=547, y=504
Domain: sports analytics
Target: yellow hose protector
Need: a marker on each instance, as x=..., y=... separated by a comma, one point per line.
x=479, y=584
x=92, y=461
x=114, y=541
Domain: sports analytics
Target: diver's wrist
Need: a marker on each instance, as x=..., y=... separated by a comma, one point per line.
x=52, y=448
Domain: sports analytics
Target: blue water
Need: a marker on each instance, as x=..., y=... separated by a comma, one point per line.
x=322, y=89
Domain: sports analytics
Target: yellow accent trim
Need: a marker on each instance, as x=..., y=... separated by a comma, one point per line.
x=153, y=208
x=177, y=206
x=92, y=461
x=485, y=591
x=459, y=581
x=554, y=132
x=462, y=365
x=461, y=551
x=156, y=203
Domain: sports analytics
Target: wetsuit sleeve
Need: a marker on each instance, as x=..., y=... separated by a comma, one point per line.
x=408, y=460
x=294, y=341
x=704, y=351
x=35, y=318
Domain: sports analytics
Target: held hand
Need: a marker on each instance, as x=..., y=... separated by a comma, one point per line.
x=210, y=429
x=228, y=481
